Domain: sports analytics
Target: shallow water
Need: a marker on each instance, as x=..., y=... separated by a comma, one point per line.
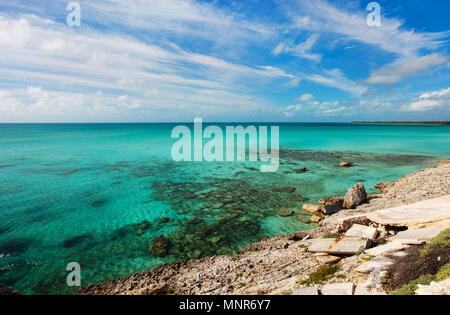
x=98, y=194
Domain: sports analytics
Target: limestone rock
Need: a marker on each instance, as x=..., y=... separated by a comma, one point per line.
x=418, y=236
x=332, y=201
x=435, y=288
x=345, y=246
x=330, y=209
x=306, y=291
x=362, y=231
x=315, y=219
x=428, y=213
x=311, y=208
x=391, y=247
x=355, y=196
x=338, y=289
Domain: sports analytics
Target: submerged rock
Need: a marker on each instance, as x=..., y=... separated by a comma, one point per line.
x=284, y=212
x=355, y=196
x=284, y=189
x=301, y=170
x=311, y=208
x=159, y=246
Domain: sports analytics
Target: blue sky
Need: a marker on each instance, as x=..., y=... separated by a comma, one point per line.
x=253, y=60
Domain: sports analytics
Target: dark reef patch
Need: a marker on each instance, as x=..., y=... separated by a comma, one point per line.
x=15, y=246
x=78, y=240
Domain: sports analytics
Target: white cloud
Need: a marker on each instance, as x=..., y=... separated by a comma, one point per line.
x=323, y=17
x=335, y=78
x=39, y=52
x=301, y=50
x=405, y=67
x=429, y=100
x=305, y=97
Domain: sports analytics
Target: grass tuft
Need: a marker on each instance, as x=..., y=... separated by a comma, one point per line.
x=321, y=275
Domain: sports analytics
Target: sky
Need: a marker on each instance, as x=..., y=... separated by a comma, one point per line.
x=243, y=61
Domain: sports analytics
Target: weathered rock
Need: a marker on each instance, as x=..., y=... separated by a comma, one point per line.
x=362, y=231
x=435, y=288
x=312, y=208
x=428, y=213
x=330, y=209
x=159, y=246
x=346, y=164
x=363, y=289
x=378, y=263
x=332, y=201
x=418, y=236
x=390, y=247
x=284, y=212
x=338, y=289
x=355, y=196
x=284, y=189
x=345, y=246
x=306, y=291
x=315, y=219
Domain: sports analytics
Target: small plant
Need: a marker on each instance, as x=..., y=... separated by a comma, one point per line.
x=443, y=273
x=440, y=241
x=331, y=235
x=411, y=288
x=321, y=275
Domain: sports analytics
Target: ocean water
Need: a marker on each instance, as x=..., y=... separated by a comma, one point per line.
x=98, y=194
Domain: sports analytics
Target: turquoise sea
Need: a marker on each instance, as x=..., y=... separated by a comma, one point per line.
x=98, y=194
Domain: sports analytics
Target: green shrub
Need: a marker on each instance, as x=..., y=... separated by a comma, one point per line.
x=443, y=273
x=442, y=241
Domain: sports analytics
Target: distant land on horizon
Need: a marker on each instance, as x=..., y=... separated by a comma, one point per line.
x=404, y=122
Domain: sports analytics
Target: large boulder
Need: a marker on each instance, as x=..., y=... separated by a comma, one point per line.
x=355, y=196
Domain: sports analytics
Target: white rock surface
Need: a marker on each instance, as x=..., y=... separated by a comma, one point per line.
x=378, y=263
x=394, y=246
x=419, y=214
x=306, y=291
x=345, y=246
x=435, y=288
x=362, y=231
x=418, y=236
x=338, y=289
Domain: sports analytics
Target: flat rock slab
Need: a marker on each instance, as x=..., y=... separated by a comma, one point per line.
x=338, y=289
x=379, y=263
x=391, y=247
x=357, y=230
x=419, y=235
x=416, y=214
x=305, y=291
x=345, y=246
x=362, y=289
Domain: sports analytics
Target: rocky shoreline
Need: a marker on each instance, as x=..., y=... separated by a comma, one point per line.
x=286, y=264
